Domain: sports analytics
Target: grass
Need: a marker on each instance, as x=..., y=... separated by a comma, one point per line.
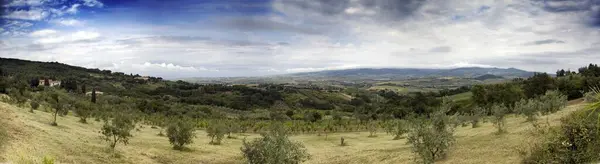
x=389, y=87
x=32, y=139
x=461, y=96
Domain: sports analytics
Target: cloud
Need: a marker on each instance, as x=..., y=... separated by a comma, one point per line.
x=441, y=49
x=68, y=22
x=93, y=3
x=265, y=24
x=16, y=3
x=73, y=9
x=67, y=38
x=43, y=33
x=288, y=36
x=32, y=14
x=546, y=41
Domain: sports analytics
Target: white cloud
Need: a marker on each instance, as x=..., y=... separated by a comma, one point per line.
x=26, y=3
x=73, y=37
x=93, y=3
x=73, y=9
x=68, y=22
x=43, y=33
x=32, y=14
x=439, y=34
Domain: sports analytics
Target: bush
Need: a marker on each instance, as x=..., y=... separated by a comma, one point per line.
x=216, y=131
x=34, y=105
x=117, y=130
x=499, y=117
x=530, y=108
x=552, y=101
x=47, y=160
x=372, y=128
x=431, y=138
x=475, y=116
x=398, y=128
x=274, y=148
x=83, y=110
x=577, y=140
x=181, y=133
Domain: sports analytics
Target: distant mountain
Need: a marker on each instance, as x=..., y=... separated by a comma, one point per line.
x=488, y=76
x=370, y=73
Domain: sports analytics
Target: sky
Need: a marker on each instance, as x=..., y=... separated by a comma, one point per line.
x=219, y=38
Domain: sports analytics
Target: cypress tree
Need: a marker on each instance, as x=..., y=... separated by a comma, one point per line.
x=94, y=95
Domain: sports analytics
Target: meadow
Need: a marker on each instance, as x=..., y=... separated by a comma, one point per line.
x=29, y=138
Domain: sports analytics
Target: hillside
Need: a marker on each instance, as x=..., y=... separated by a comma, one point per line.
x=398, y=73
x=30, y=138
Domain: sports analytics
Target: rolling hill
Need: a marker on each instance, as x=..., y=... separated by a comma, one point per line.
x=466, y=72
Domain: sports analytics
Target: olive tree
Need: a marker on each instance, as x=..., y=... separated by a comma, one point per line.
x=431, y=138
x=181, y=133
x=499, y=113
x=216, y=131
x=118, y=130
x=83, y=110
x=274, y=147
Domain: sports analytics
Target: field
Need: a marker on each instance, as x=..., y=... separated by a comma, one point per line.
x=30, y=138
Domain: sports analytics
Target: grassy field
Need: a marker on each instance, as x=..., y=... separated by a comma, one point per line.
x=30, y=138
x=461, y=96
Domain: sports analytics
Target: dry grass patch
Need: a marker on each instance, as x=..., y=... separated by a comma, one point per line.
x=32, y=138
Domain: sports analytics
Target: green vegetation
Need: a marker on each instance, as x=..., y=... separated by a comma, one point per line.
x=277, y=111
x=181, y=133
x=274, y=147
x=117, y=130
x=431, y=138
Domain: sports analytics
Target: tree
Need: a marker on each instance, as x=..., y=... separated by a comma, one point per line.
x=83, y=90
x=372, y=128
x=552, y=101
x=560, y=73
x=398, y=128
x=216, y=131
x=55, y=100
x=530, y=108
x=181, y=133
x=83, y=109
x=34, y=105
x=538, y=84
x=289, y=113
x=431, y=138
x=274, y=148
x=93, y=95
x=69, y=85
x=118, y=130
x=499, y=117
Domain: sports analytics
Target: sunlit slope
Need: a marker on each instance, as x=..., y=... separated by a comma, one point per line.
x=30, y=138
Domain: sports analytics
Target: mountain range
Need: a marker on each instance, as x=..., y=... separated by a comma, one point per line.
x=394, y=73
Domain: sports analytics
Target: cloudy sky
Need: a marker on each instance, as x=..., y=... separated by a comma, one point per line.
x=197, y=38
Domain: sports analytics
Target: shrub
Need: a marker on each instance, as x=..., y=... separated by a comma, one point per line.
x=47, y=160
x=499, y=117
x=216, y=131
x=431, y=138
x=83, y=110
x=343, y=142
x=34, y=105
x=475, y=116
x=398, y=128
x=181, y=133
x=577, y=140
x=274, y=148
x=552, y=101
x=529, y=108
x=372, y=128
x=118, y=130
